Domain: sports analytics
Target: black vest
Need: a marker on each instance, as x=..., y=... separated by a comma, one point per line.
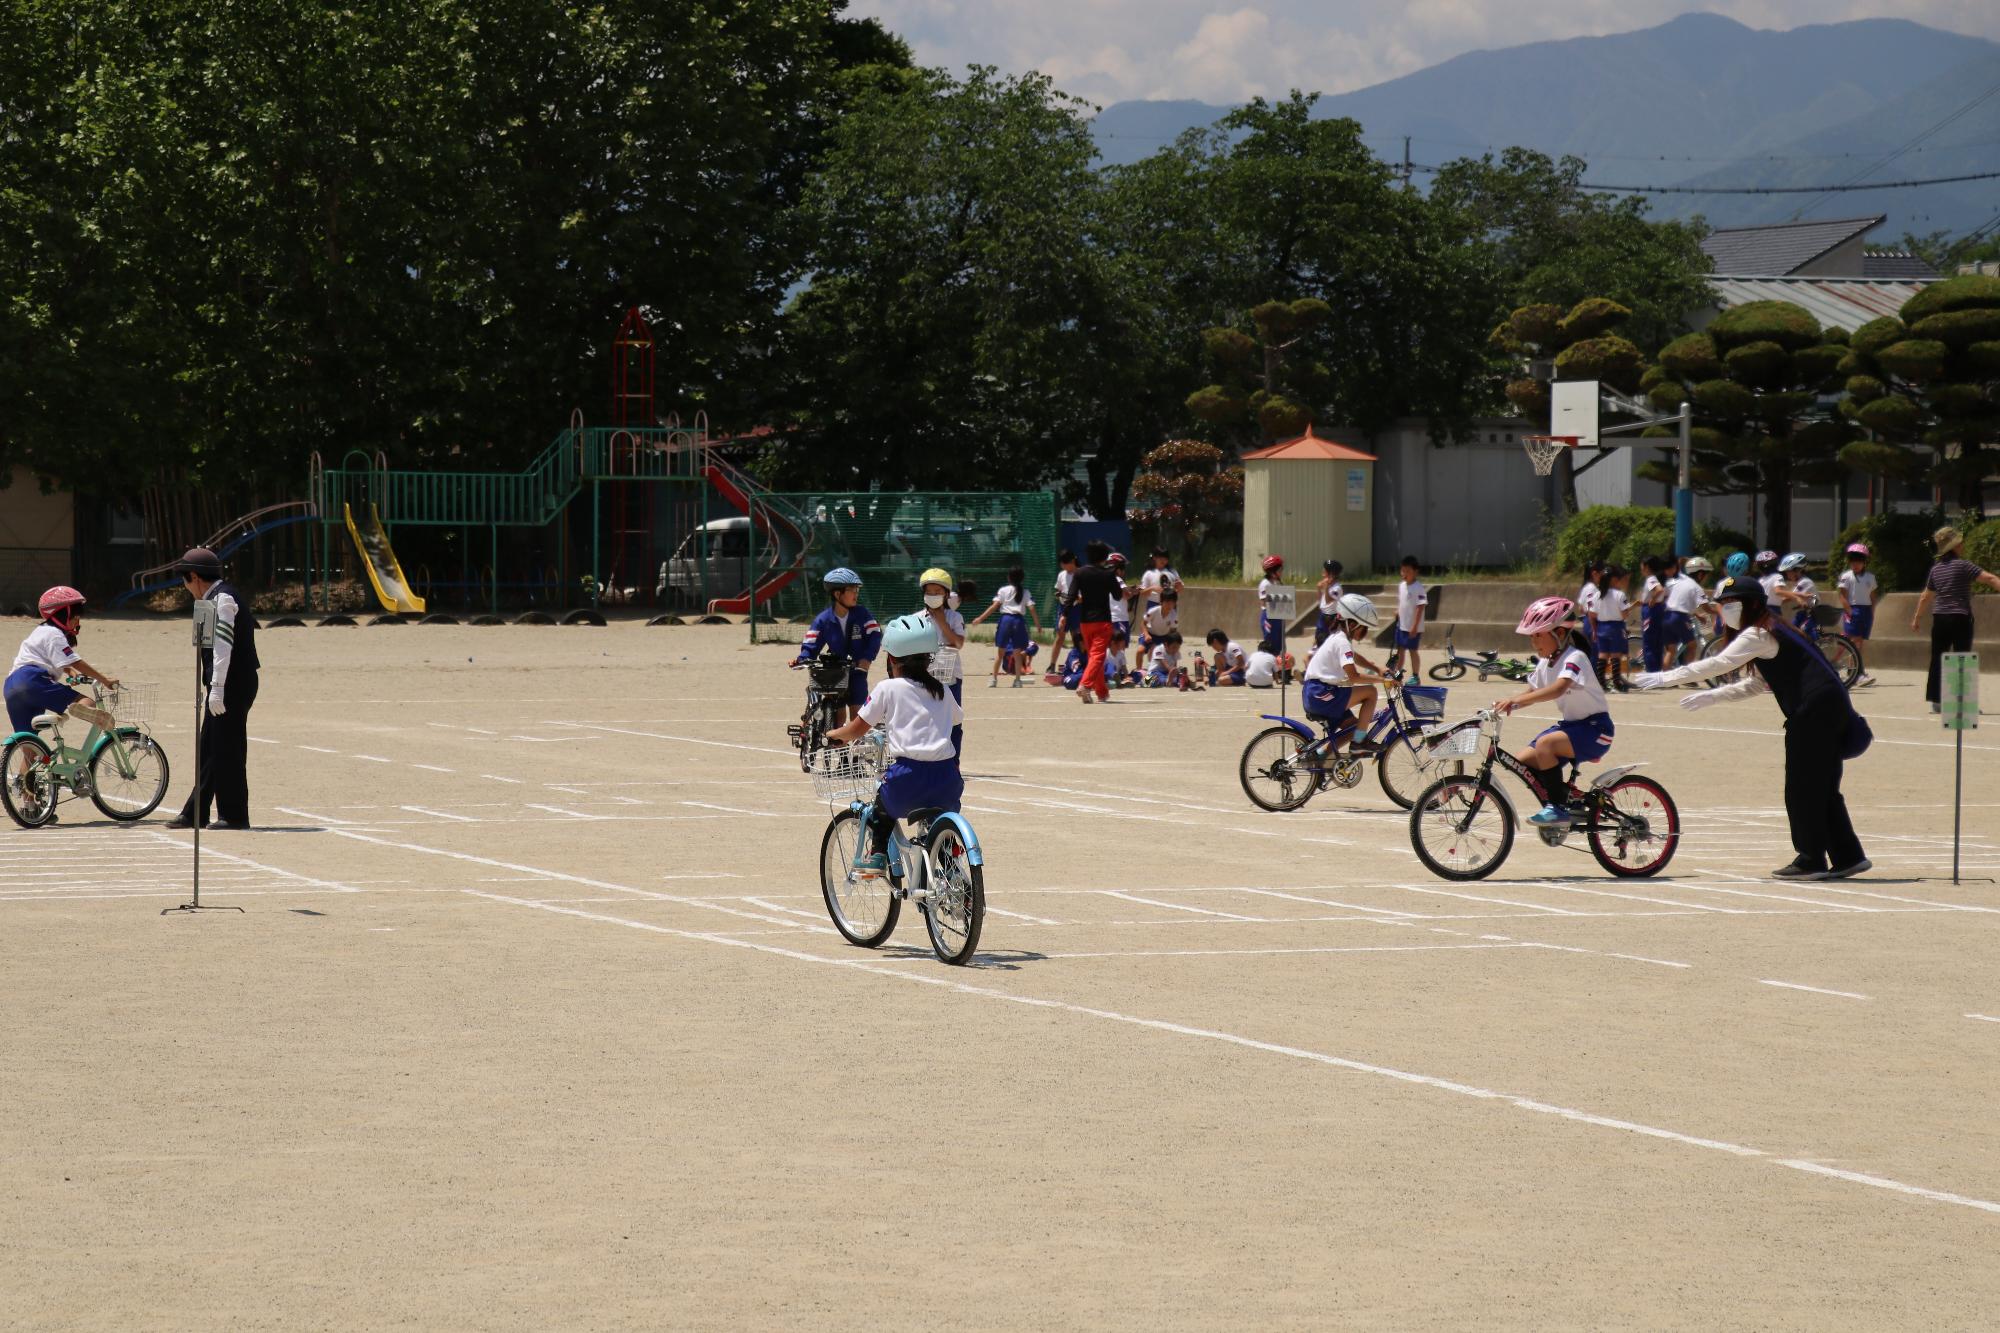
x=1801, y=677
x=243, y=662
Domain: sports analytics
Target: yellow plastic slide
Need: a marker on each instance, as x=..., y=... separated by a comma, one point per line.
x=383, y=570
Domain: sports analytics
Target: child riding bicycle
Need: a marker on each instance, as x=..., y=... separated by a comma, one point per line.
x=845, y=631
x=1336, y=686
x=917, y=715
x=35, y=684
x=1565, y=675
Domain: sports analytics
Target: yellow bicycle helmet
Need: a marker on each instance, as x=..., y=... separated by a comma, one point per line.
x=935, y=575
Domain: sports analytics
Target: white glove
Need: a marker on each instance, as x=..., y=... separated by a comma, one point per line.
x=215, y=708
x=1694, y=703
x=1648, y=680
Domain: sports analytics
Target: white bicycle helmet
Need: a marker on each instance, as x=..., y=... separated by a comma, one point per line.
x=1696, y=565
x=1791, y=562
x=1353, y=606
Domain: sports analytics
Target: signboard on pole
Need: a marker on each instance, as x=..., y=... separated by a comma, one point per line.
x=1958, y=691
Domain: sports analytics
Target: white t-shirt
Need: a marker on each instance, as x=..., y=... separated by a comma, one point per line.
x=1329, y=601
x=1121, y=610
x=1161, y=618
x=1013, y=601
x=1860, y=588
x=1805, y=588
x=1331, y=659
x=1155, y=581
x=1586, y=600
x=1646, y=593
x=48, y=648
x=1262, y=670
x=1772, y=582
x=1584, y=697
x=1683, y=595
x=945, y=663
x=1611, y=606
x=918, y=726
x=1065, y=580
x=1264, y=587
x=1232, y=657
x=1409, y=601
x=1164, y=660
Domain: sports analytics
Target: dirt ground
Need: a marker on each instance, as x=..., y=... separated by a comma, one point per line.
x=533, y=1019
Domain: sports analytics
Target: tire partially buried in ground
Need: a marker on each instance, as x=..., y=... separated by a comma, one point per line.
x=713, y=620
x=286, y=622
x=346, y=621
x=438, y=618
x=584, y=616
x=390, y=619
x=534, y=618
x=666, y=620
x=489, y=620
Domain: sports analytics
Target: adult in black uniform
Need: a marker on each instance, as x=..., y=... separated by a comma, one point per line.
x=1822, y=730
x=229, y=676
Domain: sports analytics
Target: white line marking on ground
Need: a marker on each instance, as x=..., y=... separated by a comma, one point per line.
x=291, y=875
x=433, y=768
x=307, y=814
x=495, y=777
x=1984, y=1018
x=662, y=736
x=373, y=758
x=1155, y=902
x=730, y=809
x=714, y=874
x=1817, y=990
x=1332, y=948
x=441, y=814
x=558, y=810
x=1601, y=953
x=316, y=749
x=259, y=740
x=1329, y=902
x=1232, y=1039
x=1505, y=902
x=1021, y=916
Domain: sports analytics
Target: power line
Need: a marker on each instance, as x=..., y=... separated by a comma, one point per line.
x=1911, y=144
x=1771, y=189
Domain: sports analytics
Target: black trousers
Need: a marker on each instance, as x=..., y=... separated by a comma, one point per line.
x=222, y=764
x=1949, y=634
x=1822, y=833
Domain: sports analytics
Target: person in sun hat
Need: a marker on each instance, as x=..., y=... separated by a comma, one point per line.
x=1947, y=596
x=229, y=675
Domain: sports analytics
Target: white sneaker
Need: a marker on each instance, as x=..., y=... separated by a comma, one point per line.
x=1863, y=681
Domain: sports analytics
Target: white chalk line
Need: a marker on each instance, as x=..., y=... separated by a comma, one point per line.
x=1178, y=907
x=1816, y=990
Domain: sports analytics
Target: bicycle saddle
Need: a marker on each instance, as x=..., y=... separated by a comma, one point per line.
x=925, y=815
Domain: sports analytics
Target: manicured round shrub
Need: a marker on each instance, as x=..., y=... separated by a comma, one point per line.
x=1790, y=326
x=1724, y=398
x=1914, y=358
x=1692, y=357
x=1592, y=316
x=1959, y=328
x=1817, y=365
x=1984, y=358
x=1879, y=459
x=1969, y=291
x=1892, y=415
x=1536, y=324
x=1876, y=334
x=1761, y=364
x=1609, y=359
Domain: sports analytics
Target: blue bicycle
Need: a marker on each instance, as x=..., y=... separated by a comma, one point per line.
x=1284, y=766
x=937, y=864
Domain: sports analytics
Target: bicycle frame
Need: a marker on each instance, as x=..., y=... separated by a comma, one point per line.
x=1387, y=716
x=910, y=875
x=1589, y=798
x=67, y=763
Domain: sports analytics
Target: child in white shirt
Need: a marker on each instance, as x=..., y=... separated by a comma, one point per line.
x=1231, y=662
x=1411, y=604
x=1563, y=673
x=1612, y=636
x=1164, y=663
x=917, y=715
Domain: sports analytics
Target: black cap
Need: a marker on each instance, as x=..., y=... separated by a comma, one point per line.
x=200, y=560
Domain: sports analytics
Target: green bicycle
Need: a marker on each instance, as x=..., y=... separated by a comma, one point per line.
x=120, y=766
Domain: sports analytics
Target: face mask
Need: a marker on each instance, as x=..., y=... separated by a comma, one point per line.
x=934, y=600
x=1732, y=614
x=954, y=601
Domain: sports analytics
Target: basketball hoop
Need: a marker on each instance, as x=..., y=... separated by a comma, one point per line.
x=1544, y=450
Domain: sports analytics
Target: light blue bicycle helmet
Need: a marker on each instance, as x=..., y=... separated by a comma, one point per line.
x=910, y=636
x=841, y=577
x=1791, y=562
x=1737, y=565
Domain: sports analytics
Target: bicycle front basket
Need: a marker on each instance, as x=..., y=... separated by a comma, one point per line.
x=131, y=703
x=1423, y=700
x=847, y=772
x=1463, y=739
x=829, y=673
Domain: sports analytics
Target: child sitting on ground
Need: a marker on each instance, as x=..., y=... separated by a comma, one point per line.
x=1115, y=671
x=1164, y=664
x=1231, y=661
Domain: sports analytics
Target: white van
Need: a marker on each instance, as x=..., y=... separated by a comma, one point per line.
x=718, y=550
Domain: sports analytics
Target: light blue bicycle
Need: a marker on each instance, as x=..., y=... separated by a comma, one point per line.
x=936, y=864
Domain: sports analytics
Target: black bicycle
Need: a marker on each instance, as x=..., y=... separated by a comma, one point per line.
x=826, y=696
x=1462, y=827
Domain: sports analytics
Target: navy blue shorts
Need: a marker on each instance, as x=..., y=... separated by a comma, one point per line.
x=1072, y=617
x=920, y=784
x=1405, y=639
x=1677, y=627
x=1612, y=639
x=1011, y=634
x=857, y=687
x=1327, y=703
x=31, y=692
x=1858, y=622
x=1229, y=677
x=1589, y=737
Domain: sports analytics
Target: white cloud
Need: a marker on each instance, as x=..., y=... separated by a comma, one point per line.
x=1227, y=50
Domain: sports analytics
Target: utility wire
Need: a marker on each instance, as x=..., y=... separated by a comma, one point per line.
x=1770, y=189
x=1870, y=170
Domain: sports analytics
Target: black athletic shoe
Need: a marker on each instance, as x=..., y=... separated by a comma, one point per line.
x=1798, y=871
x=226, y=826
x=180, y=822
x=1848, y=872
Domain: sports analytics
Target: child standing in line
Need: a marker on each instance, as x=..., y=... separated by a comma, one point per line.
x=1652, y=612
x=1010, y=636
x=917, y=715
x=1766, y=570
x=1681, y=599
x=1612, y=635
x=1231, y=662
x=1586, y=600
x=1270, y=634
x=1164, y=664
x=1160, y=579
x=1857, y=601
x=946, y=664
x=1329, y=600
x=1121, y=599
x=1411, y=604
x=1068, y=609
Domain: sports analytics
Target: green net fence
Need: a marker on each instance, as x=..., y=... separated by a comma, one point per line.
x=889, y=539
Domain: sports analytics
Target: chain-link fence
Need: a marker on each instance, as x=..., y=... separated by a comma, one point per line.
x=889, y=539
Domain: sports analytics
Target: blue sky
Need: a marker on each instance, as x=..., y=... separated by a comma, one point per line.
x=1227, y=50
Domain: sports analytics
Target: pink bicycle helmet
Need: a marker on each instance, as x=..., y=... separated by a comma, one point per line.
x=59, y=605
x=1546, y=615
x=1857, y=548
x=1767, y=557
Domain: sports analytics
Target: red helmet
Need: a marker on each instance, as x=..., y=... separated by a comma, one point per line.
x=1545, y=615
x=58, y=607
x=1273, y=563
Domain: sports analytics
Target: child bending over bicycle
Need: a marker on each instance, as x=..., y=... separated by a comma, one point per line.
x=35, y=684
x=1565, y=675
x=845, y=631
x=1336, y=687
x=916, y=715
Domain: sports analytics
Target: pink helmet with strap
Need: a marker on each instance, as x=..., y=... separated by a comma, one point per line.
x=58, y=607
x=1546, y=615
x=1857, y=548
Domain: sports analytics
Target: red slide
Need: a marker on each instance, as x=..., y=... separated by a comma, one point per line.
x=788, y=543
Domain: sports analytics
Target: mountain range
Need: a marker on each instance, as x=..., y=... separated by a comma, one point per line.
x=1701, y=101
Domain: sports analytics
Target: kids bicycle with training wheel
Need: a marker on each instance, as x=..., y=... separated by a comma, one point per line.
x=119, y=765
x=1462, y=826
x=1284, y=766
x=826, y=695
x=1456, y=664
x=937, y=864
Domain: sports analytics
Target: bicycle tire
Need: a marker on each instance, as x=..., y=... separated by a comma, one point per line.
x=1295, y=782
x=1402, y=767
x=1844, y=656
x=15, y=761
x=1606, y=855
x=955, y=911
x=143, y=799
x=1438, y=812
x=1447, y=671
x=847, y=900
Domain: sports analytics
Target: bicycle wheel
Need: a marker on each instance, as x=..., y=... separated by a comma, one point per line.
x=811, y=737
x=128, y=777
x=25, y=787
x=1404, y=768
x=1447, y=671
x=1844, y=655
x=1714, y=647
x=864, y=911
x=1462, y=828
x=1636, y=829
x=956, y=908
x=1273, y=775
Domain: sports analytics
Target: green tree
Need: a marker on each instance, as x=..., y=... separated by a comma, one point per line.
x=1186, y=490
x=1925, y=384
x=1260, y=393
x=1544, y=344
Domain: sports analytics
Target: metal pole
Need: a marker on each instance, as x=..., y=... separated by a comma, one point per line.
x=596, y=554
x=200, y=707
x=1957, y=800
x=1684, y=487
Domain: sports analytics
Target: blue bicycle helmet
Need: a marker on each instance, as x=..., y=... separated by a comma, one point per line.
x=910, y=636
x=1737, y=565
x=841, y=577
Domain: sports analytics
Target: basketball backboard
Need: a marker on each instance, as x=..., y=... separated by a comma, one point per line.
x=1573, y=411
